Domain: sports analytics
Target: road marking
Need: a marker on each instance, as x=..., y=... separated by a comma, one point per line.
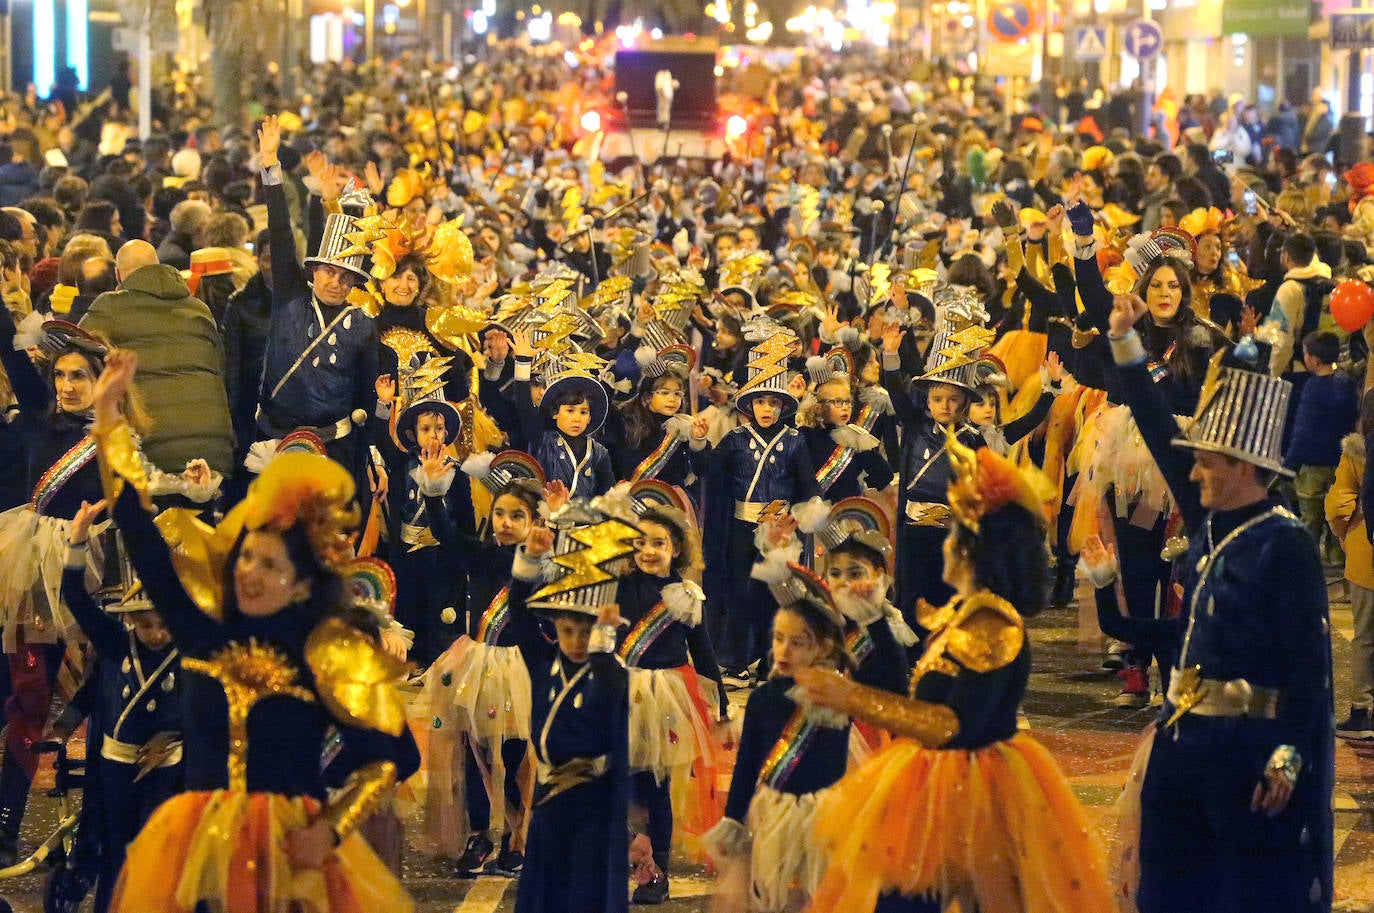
x=484, y=896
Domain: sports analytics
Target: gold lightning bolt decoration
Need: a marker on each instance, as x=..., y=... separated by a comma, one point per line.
x=585, y=567
x=366, y=232
x=572, y=208
x=770, y=359
x=580, y=363
x=428, y=378
x=556, y=292
x=963, y=348
x=737, y=268
x=809, y=208
x=552, y=337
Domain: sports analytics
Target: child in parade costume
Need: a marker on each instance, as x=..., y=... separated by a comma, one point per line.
x=55, y=398
x=135, y=731
x=653, y=430
x=578, y=843
x=675, y=706
x=791, y=753
x=758, y=463
x=268, y=665
x=576, y=403
x=839, y=437
x=424, y=421
x=961, y=809
x=1235, y=802
x=985, y=414
x=923, y=469
x=477, y=693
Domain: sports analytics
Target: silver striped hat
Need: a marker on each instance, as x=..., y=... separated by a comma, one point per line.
x=1241, y=414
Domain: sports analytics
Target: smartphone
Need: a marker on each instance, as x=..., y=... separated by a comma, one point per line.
x=1222, y=156
x=1331, y=180
x=1233, y=258
x=1251, y=203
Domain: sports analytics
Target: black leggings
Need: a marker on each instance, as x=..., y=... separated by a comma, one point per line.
x=656, y=799
x=479, y=803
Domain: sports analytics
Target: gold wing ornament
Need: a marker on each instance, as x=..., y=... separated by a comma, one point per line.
x=356, y=679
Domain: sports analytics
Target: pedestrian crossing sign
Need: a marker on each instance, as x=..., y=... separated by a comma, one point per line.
x=1090, y=43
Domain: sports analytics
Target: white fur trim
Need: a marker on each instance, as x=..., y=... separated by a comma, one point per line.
x=812, y=516
x=901, y=631
x=645, y=356
x=478, y=466
x=821, y=716
x=773, y=568
x=858, y=610
x=854, y=436
x=602, y=639
x=678, y=427
x=1102, y=574
x=526, y=568
x=683, y=602
x=259, y=455
x=729, y=839
x=1128, y=349
x=432, y=488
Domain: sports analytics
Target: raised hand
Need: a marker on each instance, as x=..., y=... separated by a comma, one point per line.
x=113, y=385
x=1054, y=368
x=385, y=386
x=1004, y=215
x=1126, y=313
x=375, y=182
x=556, y=494
x=521, y=345
x=269, y=141
x=433, y=463
x=539, y=542
x=80, y=527
x=893, y=334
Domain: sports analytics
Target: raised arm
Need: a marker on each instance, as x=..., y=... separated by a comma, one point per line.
x=288, y=278
x=100, y=629
x=33, y=394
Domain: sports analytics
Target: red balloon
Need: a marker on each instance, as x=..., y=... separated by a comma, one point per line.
x=1352, y=304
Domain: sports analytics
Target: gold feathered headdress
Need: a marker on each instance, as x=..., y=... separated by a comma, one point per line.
x=982, y=482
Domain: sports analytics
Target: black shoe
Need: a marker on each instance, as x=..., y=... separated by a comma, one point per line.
x=735, y=679
x=655, y=892
x=1358, y=727
x=476, y=855
x=508, y=863
x=9, y=850
x=1064, y=584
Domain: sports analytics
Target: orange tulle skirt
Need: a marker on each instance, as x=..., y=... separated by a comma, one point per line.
x=227, y=849
x=997, y=829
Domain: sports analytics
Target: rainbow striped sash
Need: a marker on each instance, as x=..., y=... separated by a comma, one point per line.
x=61, y=472
x=494, y=618
x=656, y=461
x=859, y=643
x=834, y=467
x=787, y=753
x=644, y=634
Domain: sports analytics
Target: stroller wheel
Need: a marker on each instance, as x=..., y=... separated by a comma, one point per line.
x=63, y=891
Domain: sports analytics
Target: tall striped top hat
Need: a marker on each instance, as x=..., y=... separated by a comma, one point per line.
x=123, y=591
x=768, y=370
x=338, y=247
x=587, y=543
x=1240, y=414
x=577, y=371
x=421, y=390
x=958, y=346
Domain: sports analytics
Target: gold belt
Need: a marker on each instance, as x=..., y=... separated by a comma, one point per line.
x=1189, y=693
x=749, y=511
x=130, y=753
x=417, y=537
x=563, y=777
x=928, y=513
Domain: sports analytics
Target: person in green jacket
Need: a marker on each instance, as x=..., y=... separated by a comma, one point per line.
x=180, y=357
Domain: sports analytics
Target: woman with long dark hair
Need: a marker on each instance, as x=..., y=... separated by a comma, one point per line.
x=961, y=807
x=269, y=664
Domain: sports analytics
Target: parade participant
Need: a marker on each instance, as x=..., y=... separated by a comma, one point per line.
x=985, y=414
x=1120, y=493
x=268, y=664
x=53, y=426
x=1345, y=515
x=847, y=456
x=760, y=462
x=321, y=356
x=966, y=810
x=420, y=484
x=1220, y=281
x=674, y=705
x=791, y=752
x=135, y=730
x=923, y=470
x=653, y=426
x=578, y=843
x=1235, y=803
x=477, y=693
x=575, y=403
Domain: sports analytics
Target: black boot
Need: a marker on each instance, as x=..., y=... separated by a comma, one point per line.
x=1064, y=582
x=14, y=796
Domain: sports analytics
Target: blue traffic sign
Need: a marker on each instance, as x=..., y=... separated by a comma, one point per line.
x=1010, y=21
x=1143, y=39
x=1090, y=43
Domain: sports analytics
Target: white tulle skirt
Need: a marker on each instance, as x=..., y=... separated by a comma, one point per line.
x=33, y=551
x=670, y=726
x=481, y=690
x=786, y=862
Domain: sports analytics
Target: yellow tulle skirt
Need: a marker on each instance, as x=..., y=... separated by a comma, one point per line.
x=997, y=829
x=227, y=849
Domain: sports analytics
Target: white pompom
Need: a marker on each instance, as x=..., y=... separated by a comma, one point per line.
x=478, y=466
x=812, y=515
